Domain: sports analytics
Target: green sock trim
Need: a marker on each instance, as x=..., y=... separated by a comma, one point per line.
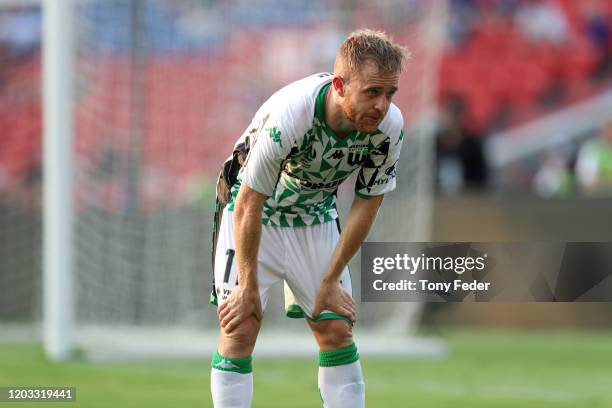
x=236, y=365
x=343, y=356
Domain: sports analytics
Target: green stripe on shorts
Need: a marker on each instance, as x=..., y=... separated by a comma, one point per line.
x=296, y=312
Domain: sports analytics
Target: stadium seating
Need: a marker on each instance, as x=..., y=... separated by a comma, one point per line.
x=494, y=70
x=510, y=71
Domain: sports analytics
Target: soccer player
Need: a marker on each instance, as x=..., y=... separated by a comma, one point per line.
x=280, y=221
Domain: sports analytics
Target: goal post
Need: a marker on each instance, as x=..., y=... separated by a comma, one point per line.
x=58, y=224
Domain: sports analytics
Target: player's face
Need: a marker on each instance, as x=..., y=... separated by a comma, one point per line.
x=368, y=96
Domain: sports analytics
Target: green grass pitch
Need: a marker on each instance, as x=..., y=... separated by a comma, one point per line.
x=482, y=369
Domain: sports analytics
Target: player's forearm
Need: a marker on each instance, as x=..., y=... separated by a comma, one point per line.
x=247, y=234
x=359, y=221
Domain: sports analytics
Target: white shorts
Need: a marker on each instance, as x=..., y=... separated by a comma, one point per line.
x=298, y=256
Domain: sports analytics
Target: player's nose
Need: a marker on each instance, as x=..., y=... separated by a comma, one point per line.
x=380, y=105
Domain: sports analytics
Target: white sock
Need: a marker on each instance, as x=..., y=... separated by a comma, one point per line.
x=230, y=389
x=342, y=386
x=231, y=381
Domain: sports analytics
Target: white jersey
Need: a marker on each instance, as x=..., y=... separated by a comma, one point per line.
x=298, y=161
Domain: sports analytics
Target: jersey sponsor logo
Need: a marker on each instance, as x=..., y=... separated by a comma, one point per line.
x=226, y=364
x=357, y=154
x=392, y=171
x=338, y=154
x=226, y=293
x=317, y=186
x=381, y=181
x=275, y=135
x=314, y=186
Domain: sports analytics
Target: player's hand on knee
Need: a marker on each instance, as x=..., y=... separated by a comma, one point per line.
x=241, y=303
x=333, y=297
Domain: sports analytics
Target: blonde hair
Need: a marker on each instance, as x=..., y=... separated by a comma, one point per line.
x=363, y=45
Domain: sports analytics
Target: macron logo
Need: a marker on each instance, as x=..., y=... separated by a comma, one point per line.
x=225, y=364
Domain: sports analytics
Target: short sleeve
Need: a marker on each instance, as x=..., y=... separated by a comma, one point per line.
x=378, y=172
x=271, y=146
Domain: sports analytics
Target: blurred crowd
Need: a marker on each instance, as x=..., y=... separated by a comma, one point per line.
x=20, y=110
x=510, y=61
x=504, y=63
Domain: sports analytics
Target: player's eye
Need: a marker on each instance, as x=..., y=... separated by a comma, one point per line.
x=372, y=92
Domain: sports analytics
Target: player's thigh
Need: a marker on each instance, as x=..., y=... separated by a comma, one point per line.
x=309, y=251
x=226, y=271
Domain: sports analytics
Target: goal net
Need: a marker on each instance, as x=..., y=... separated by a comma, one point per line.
x=162, y=89
x=20, y=170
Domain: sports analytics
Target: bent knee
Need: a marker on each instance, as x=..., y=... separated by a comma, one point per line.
x=332, y=334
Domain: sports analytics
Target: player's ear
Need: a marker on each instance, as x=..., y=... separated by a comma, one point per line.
x=339, y=83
